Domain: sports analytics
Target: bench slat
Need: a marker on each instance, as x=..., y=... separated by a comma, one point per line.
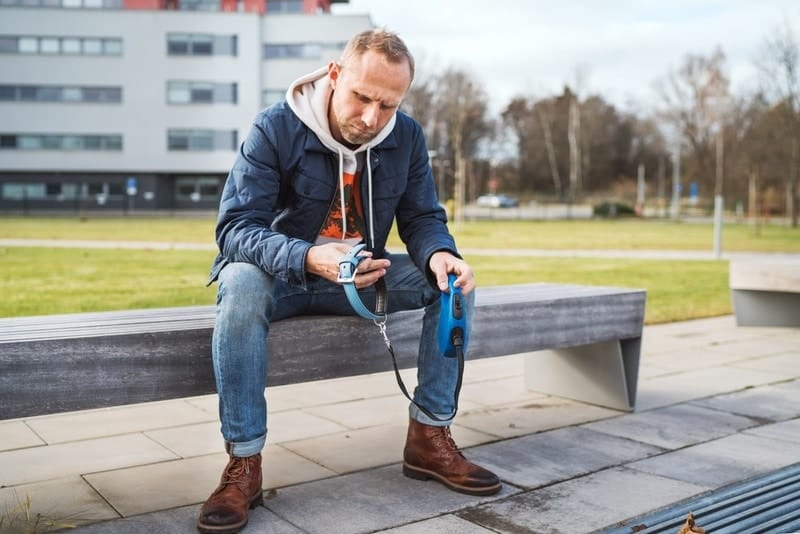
x=130, y=359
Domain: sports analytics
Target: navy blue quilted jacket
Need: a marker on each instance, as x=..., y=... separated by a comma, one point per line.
x=284, y=180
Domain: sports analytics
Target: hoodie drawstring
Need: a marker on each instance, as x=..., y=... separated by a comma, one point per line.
x=341, y=194
x=369, y=194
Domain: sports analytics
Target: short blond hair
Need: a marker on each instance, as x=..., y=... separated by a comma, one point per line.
x=384, y=42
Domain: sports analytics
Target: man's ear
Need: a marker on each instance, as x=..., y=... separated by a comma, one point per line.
x=333, y=73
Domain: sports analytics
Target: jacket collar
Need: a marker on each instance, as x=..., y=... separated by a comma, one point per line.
x=313, y=144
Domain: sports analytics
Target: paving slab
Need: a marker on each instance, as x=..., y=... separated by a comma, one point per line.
x=674, y=427
x=533, y=416
x=79, y=457
x=146, y=488
x=297, y=424
x=183, y=520
x=722, y=461
x=368, y=501
x=17, y=435
x=773, y=402
x=103, y=422
x=696, y=384
x=557, y=455
x=446, y=524
x=353, y=450
x=581, y=505
x=66, y=502
x=190, y=440
x=753, y=348
x=787, y=362
x=499, y=392
x=364, y=412
x=697, y=358
x=786, y=431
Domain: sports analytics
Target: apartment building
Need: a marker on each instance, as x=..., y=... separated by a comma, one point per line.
x=140, y=105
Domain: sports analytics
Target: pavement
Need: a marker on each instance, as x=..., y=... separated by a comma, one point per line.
x=717, y=404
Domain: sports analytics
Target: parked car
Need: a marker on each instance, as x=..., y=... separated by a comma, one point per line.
x=497, y=201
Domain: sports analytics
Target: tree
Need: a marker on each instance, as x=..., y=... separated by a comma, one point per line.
x=781, y=66
x=694, y=99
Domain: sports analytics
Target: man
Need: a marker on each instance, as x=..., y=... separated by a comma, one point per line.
x=330, y=168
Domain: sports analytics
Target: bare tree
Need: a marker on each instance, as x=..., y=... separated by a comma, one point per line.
x=692, y=99
x=461, y=111
x=781, y=65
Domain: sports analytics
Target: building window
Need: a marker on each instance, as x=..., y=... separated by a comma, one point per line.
x=272, y=96
x=197, y=188
x=284, y=6
x=201, y=140
x=47, y=45
x=198, y=5
x=55, y=93
x=293, y=51
x=68, y=4
x=23, y=191
x=66, y=142
x=194, y=44
x=182, y=92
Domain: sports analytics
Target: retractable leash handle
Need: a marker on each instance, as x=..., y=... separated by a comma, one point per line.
x=453, y=331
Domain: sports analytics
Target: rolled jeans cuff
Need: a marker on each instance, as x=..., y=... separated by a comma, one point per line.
x=248, y=448
x=418, y=415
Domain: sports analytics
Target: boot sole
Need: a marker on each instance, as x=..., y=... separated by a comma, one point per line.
x=203, y=528
x=418, y=473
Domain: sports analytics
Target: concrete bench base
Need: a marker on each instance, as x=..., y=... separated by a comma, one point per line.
x=766, y=292
x=73, y=362
x=604, y=373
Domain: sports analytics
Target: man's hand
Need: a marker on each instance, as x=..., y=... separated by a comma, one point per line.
x=442, y=263
x=323, y=260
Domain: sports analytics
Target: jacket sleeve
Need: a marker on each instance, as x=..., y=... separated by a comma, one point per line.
x=251, y=200
x=421, y=220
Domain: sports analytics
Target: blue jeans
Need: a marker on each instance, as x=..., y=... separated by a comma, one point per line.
x=248, y=300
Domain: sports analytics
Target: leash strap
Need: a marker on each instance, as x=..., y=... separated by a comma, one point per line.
x=456, y=393
x=348, y=268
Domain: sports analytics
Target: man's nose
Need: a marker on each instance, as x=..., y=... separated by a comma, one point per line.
x=370, y=116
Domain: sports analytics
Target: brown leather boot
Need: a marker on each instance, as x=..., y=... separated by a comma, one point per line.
x=430, y=452
x=239, y=491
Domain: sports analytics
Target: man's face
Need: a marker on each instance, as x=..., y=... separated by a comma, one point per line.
x=367, y=91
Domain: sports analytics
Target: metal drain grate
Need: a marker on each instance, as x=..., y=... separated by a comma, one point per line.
x=768, y=504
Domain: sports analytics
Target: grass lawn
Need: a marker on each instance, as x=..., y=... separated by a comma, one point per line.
x=39, y=281
x=628, y=234
x=36, y=281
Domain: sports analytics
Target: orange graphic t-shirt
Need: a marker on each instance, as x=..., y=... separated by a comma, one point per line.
x=333, y=228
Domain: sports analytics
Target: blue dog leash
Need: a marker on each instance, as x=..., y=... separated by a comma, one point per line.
x=453, y=333
x=348, y=268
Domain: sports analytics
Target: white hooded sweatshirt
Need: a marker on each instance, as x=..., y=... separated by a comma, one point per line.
x=309, y=97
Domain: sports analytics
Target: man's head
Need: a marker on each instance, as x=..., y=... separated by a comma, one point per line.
x=369, y=83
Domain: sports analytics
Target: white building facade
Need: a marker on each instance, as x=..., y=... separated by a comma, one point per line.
x=122, y=109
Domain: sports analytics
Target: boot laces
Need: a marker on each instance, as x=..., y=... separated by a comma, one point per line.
x=445, y=438
x=235, y=472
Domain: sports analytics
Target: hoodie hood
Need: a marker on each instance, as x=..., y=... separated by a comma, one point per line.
x=309, y=97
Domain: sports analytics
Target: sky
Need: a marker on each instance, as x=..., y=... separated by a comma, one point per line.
x=619, y=49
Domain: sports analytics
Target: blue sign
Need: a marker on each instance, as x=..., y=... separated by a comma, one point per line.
x=131, y=185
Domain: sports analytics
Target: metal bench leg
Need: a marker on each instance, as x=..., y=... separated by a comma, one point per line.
x=604, y=373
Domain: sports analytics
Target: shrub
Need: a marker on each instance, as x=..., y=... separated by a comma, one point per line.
x=613, y=209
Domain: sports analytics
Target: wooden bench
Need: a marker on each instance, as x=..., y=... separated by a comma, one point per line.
x=765, y=292
x=70, y=362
